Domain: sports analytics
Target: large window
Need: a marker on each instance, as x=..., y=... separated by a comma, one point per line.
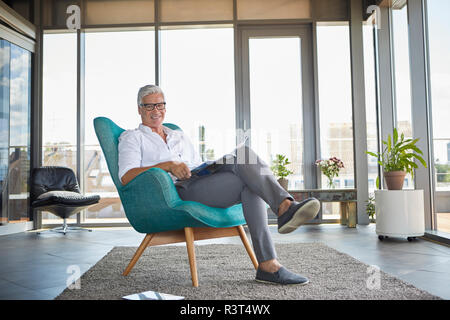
x=197, y=77
x=15, y=103
x=402, y=77
x=335, y=99
x=196, y=68
x=335, y=105
x=439, y=51
x=59, y=134
x=19, y=139
x=439, y=44
x=270, y=101
x=59, y=105
x=5, y=50
x=118, y=63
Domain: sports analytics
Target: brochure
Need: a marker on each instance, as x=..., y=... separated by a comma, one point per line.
x=209, y=167
x=152, y=295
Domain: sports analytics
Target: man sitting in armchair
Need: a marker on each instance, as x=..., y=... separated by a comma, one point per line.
x=248, y=182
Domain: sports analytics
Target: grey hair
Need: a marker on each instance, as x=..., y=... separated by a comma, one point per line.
x=147, y=90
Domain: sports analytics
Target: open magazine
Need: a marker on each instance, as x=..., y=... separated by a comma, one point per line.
x=210, y=167
x=152, y=295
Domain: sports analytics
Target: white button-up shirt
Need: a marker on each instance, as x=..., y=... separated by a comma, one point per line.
x=141, y=147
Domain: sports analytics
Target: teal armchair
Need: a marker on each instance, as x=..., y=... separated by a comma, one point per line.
x=153, y=206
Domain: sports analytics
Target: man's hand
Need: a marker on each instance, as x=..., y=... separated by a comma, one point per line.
x=180, y=170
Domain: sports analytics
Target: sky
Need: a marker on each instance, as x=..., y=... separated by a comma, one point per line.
x=275, y=94
x=18, y=61
x=401, y=64
x=439, y=44
x=439, y=47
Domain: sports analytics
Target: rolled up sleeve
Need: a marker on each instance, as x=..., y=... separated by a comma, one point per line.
x=130, y=154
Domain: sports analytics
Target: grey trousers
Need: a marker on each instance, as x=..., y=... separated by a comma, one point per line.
x=249, y=182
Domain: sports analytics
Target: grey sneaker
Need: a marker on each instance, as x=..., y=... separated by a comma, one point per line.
x=298, y=213
x=282, y=276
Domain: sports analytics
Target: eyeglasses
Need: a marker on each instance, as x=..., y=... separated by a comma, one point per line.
x=151, y=106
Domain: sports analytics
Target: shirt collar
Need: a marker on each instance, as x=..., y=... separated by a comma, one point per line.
x=147, y=129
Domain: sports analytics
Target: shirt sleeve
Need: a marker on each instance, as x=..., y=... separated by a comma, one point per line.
x=130, y=155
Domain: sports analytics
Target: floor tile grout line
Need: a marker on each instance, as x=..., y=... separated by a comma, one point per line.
x=430, y=245
x=27, y=288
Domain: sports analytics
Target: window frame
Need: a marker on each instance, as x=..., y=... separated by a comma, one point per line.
x=158, y=25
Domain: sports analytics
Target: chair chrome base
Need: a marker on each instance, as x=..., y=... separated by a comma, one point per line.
x=64, y=229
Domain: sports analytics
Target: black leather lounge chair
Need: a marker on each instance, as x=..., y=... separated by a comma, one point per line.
x=56, y=190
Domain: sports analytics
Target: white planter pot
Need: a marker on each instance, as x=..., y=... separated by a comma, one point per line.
x=400, y=213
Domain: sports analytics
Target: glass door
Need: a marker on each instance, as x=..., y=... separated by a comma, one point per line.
x=277, y=107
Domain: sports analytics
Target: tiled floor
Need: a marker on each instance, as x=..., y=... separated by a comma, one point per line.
x=35, y=267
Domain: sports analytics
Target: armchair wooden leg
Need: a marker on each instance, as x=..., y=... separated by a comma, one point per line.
x=247, y=246
x=138, y=253
x=189, y=234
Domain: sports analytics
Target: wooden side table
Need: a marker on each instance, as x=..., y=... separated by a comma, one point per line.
x=346, y=197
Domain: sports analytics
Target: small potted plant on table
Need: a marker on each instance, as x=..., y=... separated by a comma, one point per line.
x=280, y=170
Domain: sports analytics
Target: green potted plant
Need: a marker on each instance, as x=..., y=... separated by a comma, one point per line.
x=397, y=159
x=280, y=170
x=370, y=208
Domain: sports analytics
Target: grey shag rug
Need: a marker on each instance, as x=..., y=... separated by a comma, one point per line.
x=225, y=272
